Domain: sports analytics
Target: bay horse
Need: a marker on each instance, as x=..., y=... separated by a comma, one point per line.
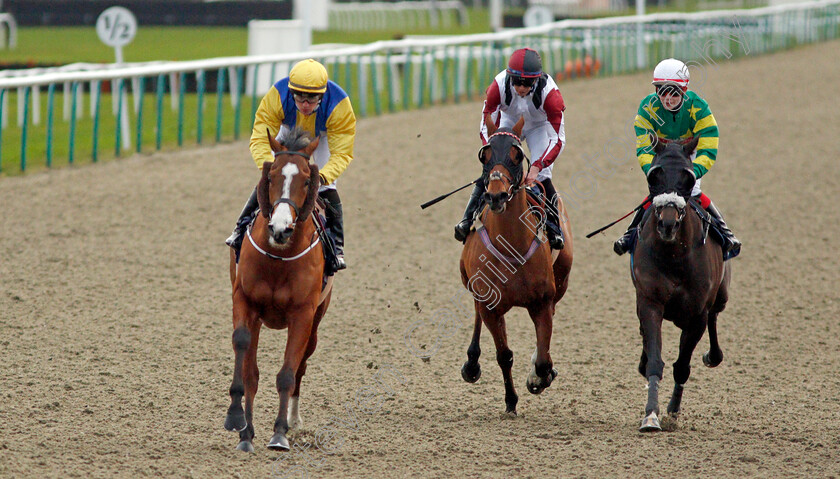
x=278, y=284
x=679, y=275
x=506, y=264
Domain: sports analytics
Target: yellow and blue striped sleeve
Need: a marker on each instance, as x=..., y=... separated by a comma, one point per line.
x=706, y=130
x=341, y=134
x=269, y=116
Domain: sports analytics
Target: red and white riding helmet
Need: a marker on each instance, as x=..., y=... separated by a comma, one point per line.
x=671, y=72
x=525, y=63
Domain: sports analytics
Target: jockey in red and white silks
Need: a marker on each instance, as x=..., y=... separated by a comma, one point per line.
x=542, y=107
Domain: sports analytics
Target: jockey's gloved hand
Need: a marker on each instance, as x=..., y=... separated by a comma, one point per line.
x=323, y=180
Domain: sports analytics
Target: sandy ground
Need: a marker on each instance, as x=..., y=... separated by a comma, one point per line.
x=115, y=327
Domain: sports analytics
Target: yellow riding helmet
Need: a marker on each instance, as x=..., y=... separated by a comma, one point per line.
x=308, y=76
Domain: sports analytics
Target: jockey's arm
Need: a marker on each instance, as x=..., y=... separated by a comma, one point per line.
x=492, y=103
x=341, y=134
x=269, y=116
x=554, y=108
x=643, y=125
x=705, y=128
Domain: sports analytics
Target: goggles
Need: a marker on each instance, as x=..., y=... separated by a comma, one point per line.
x=310, y=98
x=519, y=81
x=668, y=90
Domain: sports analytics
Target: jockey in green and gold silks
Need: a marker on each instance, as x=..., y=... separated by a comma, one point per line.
x=693, y=119
x=673, y=112
x=308, y=100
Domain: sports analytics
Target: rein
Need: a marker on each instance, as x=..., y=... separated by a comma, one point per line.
x=283, y=258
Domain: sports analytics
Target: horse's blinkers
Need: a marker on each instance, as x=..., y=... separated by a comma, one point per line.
x=501, y=148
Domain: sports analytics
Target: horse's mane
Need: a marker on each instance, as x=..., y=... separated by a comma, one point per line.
x=296, y=139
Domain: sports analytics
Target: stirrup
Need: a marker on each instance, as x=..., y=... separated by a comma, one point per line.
x=234, y=240
x=340, y=264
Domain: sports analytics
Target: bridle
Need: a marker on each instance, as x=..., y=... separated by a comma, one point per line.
x=514, y=186
x=289, y=201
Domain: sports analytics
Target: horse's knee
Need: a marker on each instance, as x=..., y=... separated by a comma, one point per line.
x=681, y=373
x=241, y=339
x=505, y=358
x=285, y=380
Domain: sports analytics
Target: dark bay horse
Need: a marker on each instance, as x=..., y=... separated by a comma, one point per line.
x=505, y=264
x=278, y=283
x=679, y=275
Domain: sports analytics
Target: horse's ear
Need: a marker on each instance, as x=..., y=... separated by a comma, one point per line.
x=491, y=125
x=484, y=154
x=657, y=143
x=517, y=128
x=690, y=146
x=276, y=146
x=312, y=145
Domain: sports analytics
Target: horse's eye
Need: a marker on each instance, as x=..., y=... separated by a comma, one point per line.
x=306, y=183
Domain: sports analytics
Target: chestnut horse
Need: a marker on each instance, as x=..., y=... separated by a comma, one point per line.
x=679, y=275
x=278, y=283
x=506, y=264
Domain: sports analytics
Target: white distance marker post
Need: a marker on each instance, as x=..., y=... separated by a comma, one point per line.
x=117, y=26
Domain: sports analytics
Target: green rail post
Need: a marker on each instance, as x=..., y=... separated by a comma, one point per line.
x=389, y=81
x=2, y=95
x=361, y=89
x=220, y=93
x=141, y=89
x=50, y=105
x=422, y=89
x=348, y=77
x=182, y=86
x=469, y=79
x=254, y=95
x=96, y=91
x=377, y=101
x=161, y=85
x=118, y=141
x=407, y=80
x=27, y=93
x=237, y=111
x=199, y=76
x=444, y=72
x=72, y=145
x=456, y=75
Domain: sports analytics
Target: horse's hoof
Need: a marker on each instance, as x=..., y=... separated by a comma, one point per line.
x=279, y=442
x=707, y=361
x=245, y=446
x=650, y=424
x=536, y=384
x=469, y=374
x=235, y=422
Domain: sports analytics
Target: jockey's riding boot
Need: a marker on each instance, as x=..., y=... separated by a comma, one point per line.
x=335, y=223
x=235, y=238
x=552, y=228
x=622, y=245
x=462, y=229
x=732, y=245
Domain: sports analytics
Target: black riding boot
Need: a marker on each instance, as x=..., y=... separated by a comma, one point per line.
x=732, y=245
x=462, y=229
x=235, y=238
x=335, y=223
x=622, y=245
x=552, y=228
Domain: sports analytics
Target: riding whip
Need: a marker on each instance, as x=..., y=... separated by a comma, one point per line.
x=441, y=197
x=616, y=221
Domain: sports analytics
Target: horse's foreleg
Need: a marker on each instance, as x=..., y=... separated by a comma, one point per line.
x=504, y=356
x=300, y=327
x=293, y=416
x=250, y=378
x=235, y=420
x=650, y=319
x=714, y=356
x=689, y=338
x=543, y=372
x=471, y=370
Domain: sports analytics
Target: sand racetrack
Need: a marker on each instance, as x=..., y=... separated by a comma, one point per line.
x=115, y=327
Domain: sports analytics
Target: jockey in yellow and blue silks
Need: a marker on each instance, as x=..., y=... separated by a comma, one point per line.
x=307, y=99
x=673, y=112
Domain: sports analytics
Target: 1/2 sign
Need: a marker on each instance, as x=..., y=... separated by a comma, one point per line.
x=116, y=26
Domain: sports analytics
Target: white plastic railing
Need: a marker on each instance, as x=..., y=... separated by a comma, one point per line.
x=408, y=15
x=8, y=31
x=403, y=74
